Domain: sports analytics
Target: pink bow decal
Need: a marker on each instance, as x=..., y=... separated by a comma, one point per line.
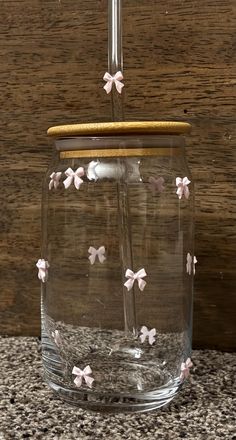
x=150, y=334
x=55, y=180
x=83, y=374
x=156, y=185
x=185, y=366
x=57, y=338
x=42, y=266
x=191, y=261
x=97, y=253
x=73, y=176
x=116, y=79
x=182, y=187
x=135, y=276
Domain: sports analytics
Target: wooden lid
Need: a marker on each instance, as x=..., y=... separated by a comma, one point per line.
x=120, y=128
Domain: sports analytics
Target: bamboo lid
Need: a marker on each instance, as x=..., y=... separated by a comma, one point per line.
x=120, y=128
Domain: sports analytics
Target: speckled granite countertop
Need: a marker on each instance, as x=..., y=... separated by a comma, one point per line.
x=205, y=409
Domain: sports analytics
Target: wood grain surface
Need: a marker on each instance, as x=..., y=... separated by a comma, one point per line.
x=179, y=63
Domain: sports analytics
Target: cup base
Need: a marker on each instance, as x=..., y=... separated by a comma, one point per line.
x=105, y=402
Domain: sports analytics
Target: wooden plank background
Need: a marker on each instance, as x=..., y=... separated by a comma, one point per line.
x=180, y=61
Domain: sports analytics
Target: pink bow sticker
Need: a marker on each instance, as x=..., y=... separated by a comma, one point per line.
x=156, y=184
x=73, y=176
x=42, y=266
x=83, y=375
x=185, y=366
x=182, y=187
x=55, y=180
x=135, y=276
x=150, y=334
x=116, y=79
x=97, y=253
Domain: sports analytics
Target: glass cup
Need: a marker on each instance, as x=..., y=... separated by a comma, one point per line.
x=117, y=264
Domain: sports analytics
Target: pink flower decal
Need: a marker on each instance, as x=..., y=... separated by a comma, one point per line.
x=42, y=266
x=150, y=334
x=116, y=79
x=73, y=176
x=182, y=187
x=185, y=366
x=97, y=253
x=55, y=180
x=83, y=375
x=57, y=337
x=156, y=184
x=135, y=276
x=191, y=261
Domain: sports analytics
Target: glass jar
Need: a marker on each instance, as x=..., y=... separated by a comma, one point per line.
x=117, y=264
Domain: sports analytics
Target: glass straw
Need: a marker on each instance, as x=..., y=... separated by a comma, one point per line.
x=115, y=54
x=115, y=64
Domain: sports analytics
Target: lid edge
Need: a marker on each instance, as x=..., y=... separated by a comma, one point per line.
x=118, y=128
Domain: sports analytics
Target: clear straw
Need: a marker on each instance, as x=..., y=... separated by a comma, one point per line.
x=115, y=64
x=115, y=54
